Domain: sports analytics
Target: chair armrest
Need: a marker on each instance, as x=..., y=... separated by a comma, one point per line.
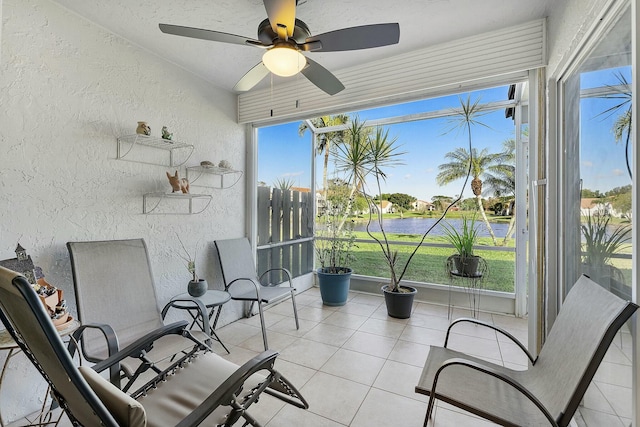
x=197, y=305
x=142, y=345
x=492, y=372
x=284, y=270
x=240, y=279
x=495, y=328
x=112, y=347
x=225, y=393
x=109, y=335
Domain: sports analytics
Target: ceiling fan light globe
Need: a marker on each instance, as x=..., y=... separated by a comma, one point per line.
x=284, y=61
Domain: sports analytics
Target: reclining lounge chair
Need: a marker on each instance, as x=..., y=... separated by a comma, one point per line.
x=198, y=388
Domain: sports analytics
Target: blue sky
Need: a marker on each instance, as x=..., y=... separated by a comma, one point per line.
x=602, y=163
x=283, y=154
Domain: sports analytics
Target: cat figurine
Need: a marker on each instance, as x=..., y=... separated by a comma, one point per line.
x=178, y=184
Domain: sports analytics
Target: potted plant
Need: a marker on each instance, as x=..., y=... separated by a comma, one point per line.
x=601, y=241
x=463, y=240
x=334, y=243
x=367, y=152
x=196, y=286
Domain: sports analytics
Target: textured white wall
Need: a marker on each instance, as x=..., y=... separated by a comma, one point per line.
x=67, y=90
x=567, y=26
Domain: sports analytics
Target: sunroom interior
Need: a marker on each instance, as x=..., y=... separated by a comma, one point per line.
x=77, y=77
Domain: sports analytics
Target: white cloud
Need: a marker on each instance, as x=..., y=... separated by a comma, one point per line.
x=407, y=176
x=587, y=163
x=288, y=174
x=618, y=172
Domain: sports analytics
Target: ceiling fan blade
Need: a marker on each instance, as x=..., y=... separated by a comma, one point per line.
x=353, y=38
x=321, y=77
x=216, y=36
x=282, y=16
x=252, y=78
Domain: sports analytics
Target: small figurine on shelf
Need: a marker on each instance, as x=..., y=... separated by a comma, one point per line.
x=166, y=134
x=178, y=184
x=143, y=129
x=206, y=164
x=224, y=164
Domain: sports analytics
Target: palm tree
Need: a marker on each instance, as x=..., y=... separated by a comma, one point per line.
x=354, y=157
x=368, y=153
x=326, y=141
x=465, y=163
x=501, y=178
x=622, y=125
x=461, y=160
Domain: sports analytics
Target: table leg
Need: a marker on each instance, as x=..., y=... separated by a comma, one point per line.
x=213, y=327
x=4, y=370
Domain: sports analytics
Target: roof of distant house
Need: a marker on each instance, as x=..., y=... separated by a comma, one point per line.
x=301, y=189
x=590, y=202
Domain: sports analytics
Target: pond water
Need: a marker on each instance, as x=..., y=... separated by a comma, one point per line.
x=420, y=225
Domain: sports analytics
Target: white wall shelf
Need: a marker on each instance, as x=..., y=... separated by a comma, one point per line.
x=179, y=152
x=213, y=176
x=165, y=203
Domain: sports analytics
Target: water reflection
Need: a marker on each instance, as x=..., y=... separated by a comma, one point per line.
x=420, y=225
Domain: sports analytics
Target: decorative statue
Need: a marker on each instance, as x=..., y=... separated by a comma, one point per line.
x=165, y=134
x=177, y=183
x=224, y=164
x=143, y=129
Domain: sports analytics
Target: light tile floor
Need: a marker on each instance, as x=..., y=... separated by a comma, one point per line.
x=358, y=367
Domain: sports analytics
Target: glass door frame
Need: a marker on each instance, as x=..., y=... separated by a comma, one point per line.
x=556, y=167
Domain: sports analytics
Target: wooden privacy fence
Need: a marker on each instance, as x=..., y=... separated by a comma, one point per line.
x=285, y=231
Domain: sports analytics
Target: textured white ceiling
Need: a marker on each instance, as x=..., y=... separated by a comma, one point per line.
x=422, y=23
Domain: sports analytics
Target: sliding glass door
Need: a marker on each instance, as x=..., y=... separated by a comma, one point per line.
x=595, y=193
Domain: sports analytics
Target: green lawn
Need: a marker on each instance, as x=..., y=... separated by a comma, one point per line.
x=428, y=265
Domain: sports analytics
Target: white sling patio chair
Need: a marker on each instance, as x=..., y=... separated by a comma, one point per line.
x=242, y=281
x=549, y=391
x=199, y=388
x=116, y=301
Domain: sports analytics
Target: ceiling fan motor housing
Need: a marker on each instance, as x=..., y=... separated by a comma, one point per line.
x=267, y=36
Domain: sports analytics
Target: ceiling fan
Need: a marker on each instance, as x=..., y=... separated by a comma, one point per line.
x=285, y=38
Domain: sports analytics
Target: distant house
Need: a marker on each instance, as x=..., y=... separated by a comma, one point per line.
x=591, y=206
x=385, y=207
x=422, y=205
x=301, y=189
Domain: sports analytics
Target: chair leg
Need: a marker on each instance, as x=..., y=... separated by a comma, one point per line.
x=264, y=329
x=295, y=310
x=432, y=401
x=249, y=311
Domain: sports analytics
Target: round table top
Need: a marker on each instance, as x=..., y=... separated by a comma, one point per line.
x=211, y=298
x=7, y=342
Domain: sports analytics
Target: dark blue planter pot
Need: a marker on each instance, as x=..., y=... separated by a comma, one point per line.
x=334, y=287
x=399, y=304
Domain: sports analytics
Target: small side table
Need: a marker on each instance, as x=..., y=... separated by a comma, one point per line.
x=7, y=343
x=211, y=299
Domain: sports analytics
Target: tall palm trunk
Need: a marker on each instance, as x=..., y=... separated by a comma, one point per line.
x=325, y=182
x=486, y=220
x=510, y=229
x=476, y=187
